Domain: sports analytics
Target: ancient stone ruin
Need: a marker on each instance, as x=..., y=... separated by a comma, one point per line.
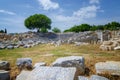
x=30, y=39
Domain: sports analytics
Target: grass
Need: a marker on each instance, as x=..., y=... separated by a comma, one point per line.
x=48, y=53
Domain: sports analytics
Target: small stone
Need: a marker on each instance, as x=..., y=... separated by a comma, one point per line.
x=4, y=75
x=117, y=48
x=82, y=78
x=39, y=64
x=110, y=67
x=24, y=63
x=71, y=61
x=23, y=75
x=96, y=77
x=4, y=65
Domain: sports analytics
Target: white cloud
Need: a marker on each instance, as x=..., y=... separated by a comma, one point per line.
x=94, y=2
x=7, y=12
x=87, y=12
x=80, y=16
x=48, y=4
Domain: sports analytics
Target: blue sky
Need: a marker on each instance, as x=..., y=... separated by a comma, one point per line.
x=63, y=13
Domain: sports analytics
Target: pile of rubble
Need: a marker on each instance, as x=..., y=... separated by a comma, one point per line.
x=113, y=44
x=65, y=68
x=30, y=39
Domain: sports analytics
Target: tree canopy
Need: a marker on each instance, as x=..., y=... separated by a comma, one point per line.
x=56, y=30
x=86, y=27
x=38, y=21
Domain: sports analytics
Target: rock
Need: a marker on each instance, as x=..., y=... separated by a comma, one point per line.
x=17, y=46
x=4, y=75
x=82, y=78
x=39, y=64
x=80, y=43
x=23, y=75
x=49, y=73
x=71, y=61
x=4, y=65
x=109, y=67
x=26, y=46
x=24, y=63
x=93, y=77
x=117, y=48
x=112, y=44
x=58, y=43
x=2, y=46
x=107, y=43
x=96, y=77
x=10, y=47
x=106, y=47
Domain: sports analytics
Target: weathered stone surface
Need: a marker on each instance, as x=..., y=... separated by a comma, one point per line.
x=107, y=43
x=30, y=39
x=96, y=77
x=4, y=65
x=71, y=61
x=49, y=73
x=112, y=44
x=80, y=43
x=110, y=67
x=117, y=48
x=39, y=64
x=10, y=47
x=82, y=78
x=26, y=46
x=2, y=46
x=52, y=73
x=24, y=63
x=23, y=75
x=4, y=75
x=93, y=77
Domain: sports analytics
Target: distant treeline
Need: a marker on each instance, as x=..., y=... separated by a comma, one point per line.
x=86, y=27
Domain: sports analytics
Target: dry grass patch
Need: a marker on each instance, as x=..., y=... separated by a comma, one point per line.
x=92, y=55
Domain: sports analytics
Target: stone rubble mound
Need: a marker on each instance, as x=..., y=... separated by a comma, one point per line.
x=30, y=39
x=113, y=44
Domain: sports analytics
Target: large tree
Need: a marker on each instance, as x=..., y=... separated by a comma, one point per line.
x=38, y=21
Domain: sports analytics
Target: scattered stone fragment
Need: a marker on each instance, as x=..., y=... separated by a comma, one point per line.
x=109, y=67
x=24, y=63
x=4, y=65
x=96, y=77
x=93, y=77
x=4, y=75
x=82, y=78
x=48, y=73
x=117, y=48
x=23, y=75
x=71, y=61
x=39, y=64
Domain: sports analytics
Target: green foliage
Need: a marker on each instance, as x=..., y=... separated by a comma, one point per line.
x=79, y=28
x=1, y=31
x=112, y=26
x=38, y=21
x=56, y=30
x=86, y=27
x=44, y=30
x=93, y=28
